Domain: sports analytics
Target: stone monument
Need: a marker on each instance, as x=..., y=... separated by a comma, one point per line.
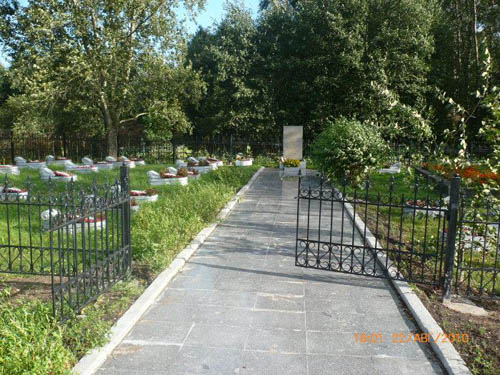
x=292, y=142
x=293, y=149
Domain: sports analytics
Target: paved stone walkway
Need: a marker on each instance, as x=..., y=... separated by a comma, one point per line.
x=240, y=306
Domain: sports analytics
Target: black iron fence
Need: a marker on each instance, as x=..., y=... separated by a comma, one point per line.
x=79, y=239
x=182, y=148
x=402, y=230
x=38, y=147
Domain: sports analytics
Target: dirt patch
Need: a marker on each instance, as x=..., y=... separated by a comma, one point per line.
x=27, y=287
x=482, y=352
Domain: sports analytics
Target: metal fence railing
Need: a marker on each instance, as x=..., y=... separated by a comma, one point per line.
x=75, y=148
x=79, y=238
x=401, y=230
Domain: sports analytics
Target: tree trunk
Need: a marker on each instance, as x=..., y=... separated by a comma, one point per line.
x=112, y=141
x=110, y=126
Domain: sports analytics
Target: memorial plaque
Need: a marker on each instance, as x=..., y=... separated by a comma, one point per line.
x=292, y=142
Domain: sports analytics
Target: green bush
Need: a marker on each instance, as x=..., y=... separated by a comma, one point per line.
x=348, y=148
x=30, y=341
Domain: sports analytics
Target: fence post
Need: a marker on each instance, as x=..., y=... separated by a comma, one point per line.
x=451, y=237
x=174, y=151
x=231, y=145
x=124, y=185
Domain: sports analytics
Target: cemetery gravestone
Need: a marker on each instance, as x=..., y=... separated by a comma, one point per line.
x=293, y=142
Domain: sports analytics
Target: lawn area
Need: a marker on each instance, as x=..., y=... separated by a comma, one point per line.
x=31, y=342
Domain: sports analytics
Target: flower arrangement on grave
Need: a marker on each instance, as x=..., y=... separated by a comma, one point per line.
x=98, y=218
x=14, y=190
x=422, y=203
x=291, y=163
x=204, y=163
x=168, y=174
x=183, y=172
x=63, y=174
x=242, y=157
x=142, y=196
x=143, y=193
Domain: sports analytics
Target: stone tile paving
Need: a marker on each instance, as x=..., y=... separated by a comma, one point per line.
x=240, y=306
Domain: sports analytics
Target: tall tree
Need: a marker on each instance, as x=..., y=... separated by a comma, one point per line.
x=92, y=54
x=226, y=58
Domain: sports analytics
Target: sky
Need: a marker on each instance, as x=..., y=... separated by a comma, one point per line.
x=213, y=12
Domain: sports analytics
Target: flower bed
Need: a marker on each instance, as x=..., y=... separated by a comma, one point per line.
x=137, y=161
x=244, y=163
x=9, y=169
x=291, y=167
x=13, y=193
x=141, y=196
x=193, y=174
x=70, y=166
x=170, y=177
x=474, y=173
x=104, y=165
x=96, y=222
x=218, y=163
x=134, y=206
x=423, y=208
x=58, y=161
x=126, y=162
x=34, y=164
x=46, y=174
x=201, y=166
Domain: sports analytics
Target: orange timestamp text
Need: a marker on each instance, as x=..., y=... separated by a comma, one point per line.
x=407, y=337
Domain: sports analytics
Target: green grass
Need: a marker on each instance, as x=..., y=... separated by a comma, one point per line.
x=31, y=342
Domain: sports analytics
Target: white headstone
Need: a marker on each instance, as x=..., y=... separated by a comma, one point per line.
x=153, y=175
x=87, y=161
x=110, y=159
x=46, y=172
x=293, y=142
x=50, y=158
x=192, y=160
x=172, y=170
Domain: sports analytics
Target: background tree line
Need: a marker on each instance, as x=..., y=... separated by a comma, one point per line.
x=104, y=66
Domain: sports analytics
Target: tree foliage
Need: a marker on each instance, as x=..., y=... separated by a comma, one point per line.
x=303, y=62
x=85, y=60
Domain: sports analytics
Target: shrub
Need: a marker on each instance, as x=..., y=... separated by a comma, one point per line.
x=30, y=341
x=348, y=148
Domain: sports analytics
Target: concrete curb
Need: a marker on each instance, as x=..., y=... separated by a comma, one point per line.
x=91, y=362
x=445, y=351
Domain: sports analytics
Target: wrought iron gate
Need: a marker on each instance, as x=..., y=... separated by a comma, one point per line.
x=90, y=245
x=364, y=232
x=75, y=238
x=421, y=236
